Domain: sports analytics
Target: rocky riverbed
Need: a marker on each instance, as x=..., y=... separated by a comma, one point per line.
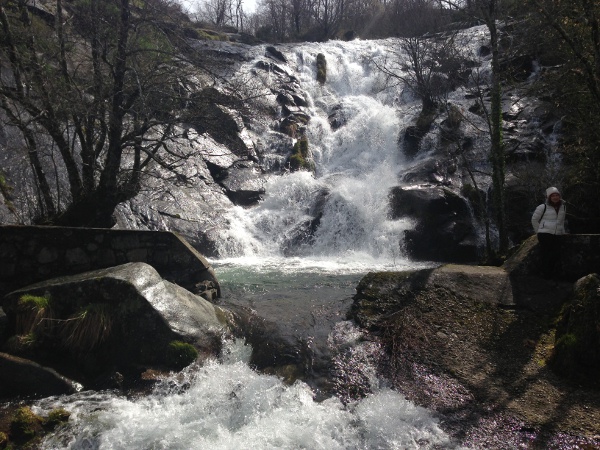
x=474, y=344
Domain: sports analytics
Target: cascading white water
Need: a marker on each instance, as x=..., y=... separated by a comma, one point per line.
x=226, y=405
x=356, y=165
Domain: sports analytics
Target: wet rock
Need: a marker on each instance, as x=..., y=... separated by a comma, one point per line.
x=303, y=235
x=270, y=67
x=243, y=183
x=124, y=316
x=337, y=118
x=577, y=344
x=272, y=51
x=444, y=229
x=20, y=377
x=412, y=140
x=223, y=124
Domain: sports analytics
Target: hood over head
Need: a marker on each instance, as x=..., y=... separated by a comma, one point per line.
x=551, y=190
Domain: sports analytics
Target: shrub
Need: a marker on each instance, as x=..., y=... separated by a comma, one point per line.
x=180, y=354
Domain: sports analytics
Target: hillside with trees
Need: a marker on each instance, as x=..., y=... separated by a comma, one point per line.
x=559, y=39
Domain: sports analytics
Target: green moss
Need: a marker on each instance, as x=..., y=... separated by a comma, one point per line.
x=210, y=35
x=321, y=68
x=56, y=417
x=180, y=354
x=24, y=424
x=296, y=162
x=299, y=158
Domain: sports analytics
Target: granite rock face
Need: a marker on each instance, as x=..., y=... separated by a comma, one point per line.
x=110, y=319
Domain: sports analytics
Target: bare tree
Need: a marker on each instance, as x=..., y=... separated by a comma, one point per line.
x=490, y=11
x=419, y=63
x=101, y=83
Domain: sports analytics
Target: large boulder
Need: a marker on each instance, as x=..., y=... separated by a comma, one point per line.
x=463, y=340
x=580, y=255
x=577, y=345
x=444, y=229
x=111, y=319
x=380, y=295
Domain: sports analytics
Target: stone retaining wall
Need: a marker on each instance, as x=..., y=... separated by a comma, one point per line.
x=29, y=254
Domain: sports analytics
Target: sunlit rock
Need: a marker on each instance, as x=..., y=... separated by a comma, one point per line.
x=121, y=317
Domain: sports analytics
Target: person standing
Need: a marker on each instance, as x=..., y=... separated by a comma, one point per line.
x=549, y=223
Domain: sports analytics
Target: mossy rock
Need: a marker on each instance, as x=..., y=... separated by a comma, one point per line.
x=321, y=68
x=577, y=344
x=57, y=417
x=180, y=354
x=25, y=425
x=300, y=158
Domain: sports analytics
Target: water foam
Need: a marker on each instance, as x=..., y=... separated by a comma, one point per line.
x=227, y=405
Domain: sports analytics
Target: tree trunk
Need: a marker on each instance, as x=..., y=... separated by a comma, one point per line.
x=497, y=144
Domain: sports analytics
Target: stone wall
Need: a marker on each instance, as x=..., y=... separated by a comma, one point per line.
x=29, y=254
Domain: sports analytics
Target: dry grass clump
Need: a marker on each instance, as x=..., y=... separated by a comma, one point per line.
x=87, y=328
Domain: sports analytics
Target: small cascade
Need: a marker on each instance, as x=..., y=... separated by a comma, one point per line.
x=226, y=405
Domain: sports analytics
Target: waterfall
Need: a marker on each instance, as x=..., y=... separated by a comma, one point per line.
x=355, y=166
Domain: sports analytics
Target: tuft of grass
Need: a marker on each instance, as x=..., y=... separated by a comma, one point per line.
x=32, y=314
x=88, y=328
